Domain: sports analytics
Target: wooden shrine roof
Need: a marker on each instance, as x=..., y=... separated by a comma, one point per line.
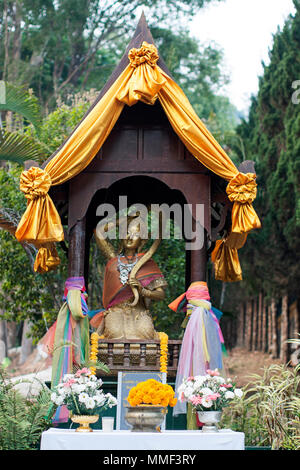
x=142, y=33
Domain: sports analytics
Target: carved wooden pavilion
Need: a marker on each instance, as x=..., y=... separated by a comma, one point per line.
x=144, y=159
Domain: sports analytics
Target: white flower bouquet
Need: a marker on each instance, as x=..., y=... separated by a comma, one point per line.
x=209, y=392
x=82, y=394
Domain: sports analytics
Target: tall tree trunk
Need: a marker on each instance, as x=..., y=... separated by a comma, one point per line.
x=269, y=341
x=264, y=326
x=11, y=334
x=284, y=330
x=239, y=328
x=3, y=340
x=243, y=326
x=294, y=333
x=254, y=328
x=294, y=320
x=273, y=333
x=248, y=325
x=16, y=53
x=6, y=40
x=259, y=321
x=26, y=346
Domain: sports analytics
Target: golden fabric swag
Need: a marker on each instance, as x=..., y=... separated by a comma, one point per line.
x=141, y=80
x=226, y=262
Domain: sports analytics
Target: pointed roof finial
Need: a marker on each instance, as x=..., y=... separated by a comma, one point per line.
x=142, y=33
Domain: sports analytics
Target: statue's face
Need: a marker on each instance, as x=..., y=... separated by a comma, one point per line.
x=133, y=238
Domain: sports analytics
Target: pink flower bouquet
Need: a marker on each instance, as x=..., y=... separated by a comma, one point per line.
x=82, y=394
x=209, y=392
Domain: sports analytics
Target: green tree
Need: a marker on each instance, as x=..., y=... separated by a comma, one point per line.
x=271, y=138
x=60, y=46
x=197, y=69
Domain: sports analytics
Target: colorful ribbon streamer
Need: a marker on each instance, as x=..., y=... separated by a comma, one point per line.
x=68, y=338
x=201, y=347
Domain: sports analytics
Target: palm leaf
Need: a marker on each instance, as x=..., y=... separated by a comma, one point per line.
x=19, y=100
x=18, y=148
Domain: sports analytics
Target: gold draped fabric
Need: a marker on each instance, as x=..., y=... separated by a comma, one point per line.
x=141, y=80
x=47, y=258
x=226, y=262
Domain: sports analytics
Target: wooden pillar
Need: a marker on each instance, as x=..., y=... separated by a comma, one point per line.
x=273, y=343
x=77, y=246
x=284, y=330
x=198, y=262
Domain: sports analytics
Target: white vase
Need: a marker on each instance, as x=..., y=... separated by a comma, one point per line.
x=210, y=420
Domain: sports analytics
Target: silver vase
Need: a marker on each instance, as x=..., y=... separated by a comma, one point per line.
x=210, y=420
x=145, y=418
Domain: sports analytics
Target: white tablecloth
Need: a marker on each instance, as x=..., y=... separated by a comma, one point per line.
x=68, y=439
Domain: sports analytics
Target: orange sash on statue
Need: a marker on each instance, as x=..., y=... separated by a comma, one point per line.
x=114, y=291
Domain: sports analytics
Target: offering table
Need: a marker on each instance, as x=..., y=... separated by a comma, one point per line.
x=68, y=439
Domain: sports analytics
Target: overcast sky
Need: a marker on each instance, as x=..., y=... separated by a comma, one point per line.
x=243, y=29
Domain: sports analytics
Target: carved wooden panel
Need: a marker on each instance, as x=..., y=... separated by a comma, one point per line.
x=143, y=141
x=122, y=144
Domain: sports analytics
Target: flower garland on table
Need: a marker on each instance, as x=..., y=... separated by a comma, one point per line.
x=94, y=351
x=163, y=352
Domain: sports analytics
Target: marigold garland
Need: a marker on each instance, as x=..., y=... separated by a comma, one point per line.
x=163, y=351
x=152, y=392
x=94, y=351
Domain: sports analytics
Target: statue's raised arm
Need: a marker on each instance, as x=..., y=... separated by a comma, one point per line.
x=102, y=240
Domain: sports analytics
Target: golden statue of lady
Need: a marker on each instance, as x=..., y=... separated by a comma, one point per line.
x=132, y=280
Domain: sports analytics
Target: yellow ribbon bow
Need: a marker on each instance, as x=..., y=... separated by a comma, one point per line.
x=241, y=190
x=146, y=79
